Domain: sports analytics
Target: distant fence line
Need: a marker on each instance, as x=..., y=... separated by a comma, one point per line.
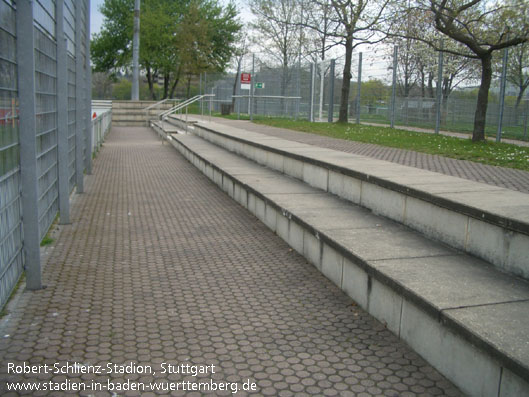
x=46, y=133
x=312, y=91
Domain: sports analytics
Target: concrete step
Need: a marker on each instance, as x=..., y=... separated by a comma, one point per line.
x=131, y=113
x=137, y=105
x=489, y=222
x=119, y=116
x=128, y=123
x=465, y=317
x=164, y=128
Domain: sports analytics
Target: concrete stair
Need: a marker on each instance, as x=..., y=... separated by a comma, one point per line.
x=389, y=236
x=131, y=114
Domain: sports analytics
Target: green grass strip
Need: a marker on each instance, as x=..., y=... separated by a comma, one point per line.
x=491, y=153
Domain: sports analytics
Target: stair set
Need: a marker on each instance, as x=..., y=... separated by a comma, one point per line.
x=443, y=262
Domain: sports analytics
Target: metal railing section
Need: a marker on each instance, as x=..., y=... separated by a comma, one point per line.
x=184, y=105
x=151, y=112
x=100, y=128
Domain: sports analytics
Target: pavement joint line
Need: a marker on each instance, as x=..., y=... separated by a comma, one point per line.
x=418, y=257
x=485, y=304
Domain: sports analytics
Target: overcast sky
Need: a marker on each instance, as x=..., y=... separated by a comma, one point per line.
x=96, y=19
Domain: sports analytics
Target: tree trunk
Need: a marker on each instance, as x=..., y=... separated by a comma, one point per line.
x=188, y=90
x=176, y=80
x=165, y=84
x=430, y=85
x=423, y=84
x=151, y=83
x=346, y=83
x=239, y=61
x=480, y=116
x=519, y=97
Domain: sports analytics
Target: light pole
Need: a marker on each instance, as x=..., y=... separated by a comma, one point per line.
x=135, y=95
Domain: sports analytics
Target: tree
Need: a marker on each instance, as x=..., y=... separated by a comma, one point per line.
x=374, y=91
x=518, y=70
x=111, y=48
x=357, y=21
x=481, y=27
x=322, y=22
x=177, y=37
x=418, y=61
x=101, y=86
x=277, y=33
x=241, y=50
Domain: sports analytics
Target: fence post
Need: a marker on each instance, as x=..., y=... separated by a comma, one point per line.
x=502, y=94
x=62, y=118
x=330, y=113
x=359, y=88
x=79, y=106
x=135, y=95
x=525, y=119
x=322, y=83
x=393, y=88
x=238, y=89
x=439, y=91
x=251, y=87
x=28, y=143
x=311, y=93
x=298, y=87
x=88, y=88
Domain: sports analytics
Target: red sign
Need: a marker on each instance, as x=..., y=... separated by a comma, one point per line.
x=246, y=78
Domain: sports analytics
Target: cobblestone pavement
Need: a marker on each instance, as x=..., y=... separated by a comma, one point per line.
x=159, y=265
x=497, y=176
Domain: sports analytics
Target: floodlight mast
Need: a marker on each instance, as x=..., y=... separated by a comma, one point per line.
x=135, y=95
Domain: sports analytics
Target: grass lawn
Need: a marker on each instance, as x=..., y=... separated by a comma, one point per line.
x=500, y=154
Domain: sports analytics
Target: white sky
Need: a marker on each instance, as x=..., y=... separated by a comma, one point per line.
x=96, y=19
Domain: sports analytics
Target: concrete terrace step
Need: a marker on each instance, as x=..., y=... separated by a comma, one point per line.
x=128, y=116
x=131, y=113
x=465, y=317
x=165, y=128
x=137, y=105
x=489, y=222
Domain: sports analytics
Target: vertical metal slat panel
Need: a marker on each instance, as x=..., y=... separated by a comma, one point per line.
x=11, y=235
x=46, y=100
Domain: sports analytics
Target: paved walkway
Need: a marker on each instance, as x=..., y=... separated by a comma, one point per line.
x=498, y=176
x=161, y=266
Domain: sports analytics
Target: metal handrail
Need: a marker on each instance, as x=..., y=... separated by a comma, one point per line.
x=146, y=111
x=160, y=103
x=266, y=96
x=163, y=115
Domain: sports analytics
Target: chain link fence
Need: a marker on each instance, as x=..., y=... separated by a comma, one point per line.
x=417, y=96
x=408, y=97
x=273, y=91
x=39, y=138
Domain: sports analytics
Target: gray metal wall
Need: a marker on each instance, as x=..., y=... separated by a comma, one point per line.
x=53, y=153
